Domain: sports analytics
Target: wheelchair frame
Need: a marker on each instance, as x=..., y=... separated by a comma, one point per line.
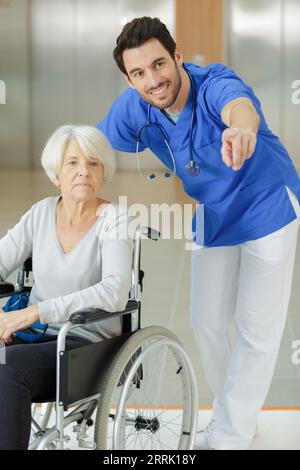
x=85, y=405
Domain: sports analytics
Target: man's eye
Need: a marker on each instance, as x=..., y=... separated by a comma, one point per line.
x=72, y=162
x=138, y=74
x=159, y=64
x=94, y=163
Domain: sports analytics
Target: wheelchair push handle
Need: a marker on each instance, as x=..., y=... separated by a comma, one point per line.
x=150, y=233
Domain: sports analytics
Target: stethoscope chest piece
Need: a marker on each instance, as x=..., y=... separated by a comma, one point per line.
x=192, y=168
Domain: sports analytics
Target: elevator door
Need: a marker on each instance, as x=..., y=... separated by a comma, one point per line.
x=263, y=48
x=74, y=76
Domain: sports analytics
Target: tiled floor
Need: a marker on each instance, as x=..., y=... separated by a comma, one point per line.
x=166, y=289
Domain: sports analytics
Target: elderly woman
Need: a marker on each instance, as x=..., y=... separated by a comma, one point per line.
x=81, y=257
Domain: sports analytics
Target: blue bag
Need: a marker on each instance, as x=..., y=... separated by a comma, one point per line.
x=19, y=302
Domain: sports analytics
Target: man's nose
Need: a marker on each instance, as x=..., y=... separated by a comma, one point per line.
x=153, y=81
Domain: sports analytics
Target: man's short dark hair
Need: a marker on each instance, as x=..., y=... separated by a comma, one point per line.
x=137, y=32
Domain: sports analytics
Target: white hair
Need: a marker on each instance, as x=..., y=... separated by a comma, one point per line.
x=91, y=141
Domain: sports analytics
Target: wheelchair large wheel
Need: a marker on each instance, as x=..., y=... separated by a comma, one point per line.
x=149, y=398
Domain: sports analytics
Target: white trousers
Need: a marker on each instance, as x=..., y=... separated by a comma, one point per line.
x=248, y=284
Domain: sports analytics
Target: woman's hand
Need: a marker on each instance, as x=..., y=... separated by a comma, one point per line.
x=10, y=322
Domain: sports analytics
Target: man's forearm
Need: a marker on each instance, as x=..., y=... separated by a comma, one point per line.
x=243, y=115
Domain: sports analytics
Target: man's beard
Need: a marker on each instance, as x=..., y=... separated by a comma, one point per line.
x=176, y=89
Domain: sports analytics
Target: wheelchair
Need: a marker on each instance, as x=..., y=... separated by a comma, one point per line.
x=140, y=385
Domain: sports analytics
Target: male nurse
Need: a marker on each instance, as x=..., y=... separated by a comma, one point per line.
x=242, y=267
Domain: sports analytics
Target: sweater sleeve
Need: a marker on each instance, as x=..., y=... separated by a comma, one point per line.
x=16, y=245
x=112, y=292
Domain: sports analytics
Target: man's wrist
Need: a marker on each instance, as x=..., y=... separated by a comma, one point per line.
x=238, y=127
x=244, y=116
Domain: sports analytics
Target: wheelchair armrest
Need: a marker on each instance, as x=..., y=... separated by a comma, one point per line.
x=89, y=315
x=6, y=289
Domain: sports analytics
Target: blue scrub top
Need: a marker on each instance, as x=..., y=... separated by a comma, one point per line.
x=239, y=205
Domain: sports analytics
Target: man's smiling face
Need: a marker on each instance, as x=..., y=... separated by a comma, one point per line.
x=154, y=73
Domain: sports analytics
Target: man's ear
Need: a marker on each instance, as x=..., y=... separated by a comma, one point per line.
x=128, y=80
x=178, y=56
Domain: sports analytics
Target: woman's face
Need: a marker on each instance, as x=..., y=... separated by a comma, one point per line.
x=81, y=176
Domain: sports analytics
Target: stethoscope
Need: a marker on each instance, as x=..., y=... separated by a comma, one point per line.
x=191, y=168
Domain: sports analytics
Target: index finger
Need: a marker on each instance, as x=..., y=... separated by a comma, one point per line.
x=237, y=152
